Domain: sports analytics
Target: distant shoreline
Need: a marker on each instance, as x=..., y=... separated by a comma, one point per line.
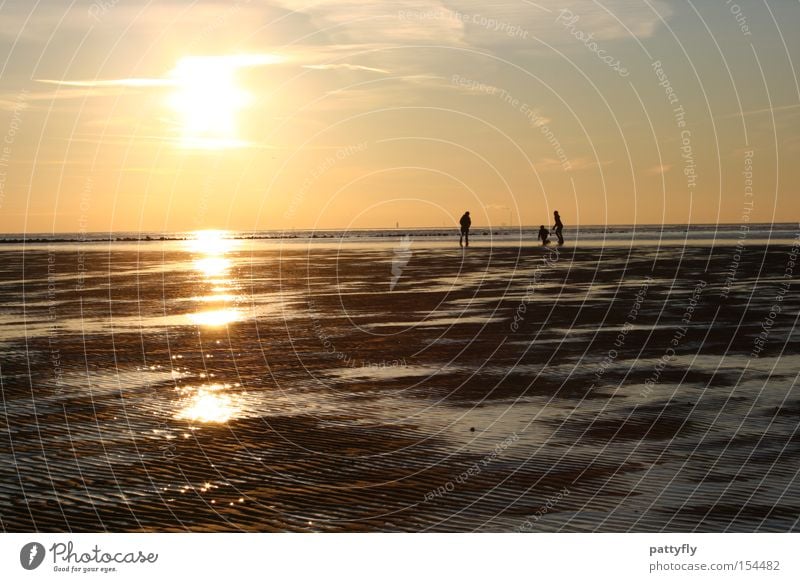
x=711, y=231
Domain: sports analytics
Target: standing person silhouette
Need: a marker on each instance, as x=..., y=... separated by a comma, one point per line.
x=465, y=222
x=558, y=227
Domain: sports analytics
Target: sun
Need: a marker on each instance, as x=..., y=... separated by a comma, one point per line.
x=212, y=242
x=207, y=101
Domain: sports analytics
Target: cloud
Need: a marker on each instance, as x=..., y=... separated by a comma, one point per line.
x=612, y=19
x=191, y=64
x=345, y=66
x=473, y=23
x=570, y=164
x=46, y=20
x=763, y=110
x=7, y=102
x=349, y=22
x=111, y=82
x=659, y=170
x=185, y=69
x=234, y=61
x=379, y=92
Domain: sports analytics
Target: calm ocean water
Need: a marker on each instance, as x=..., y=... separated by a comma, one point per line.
x=592, y=235
x=389, y=383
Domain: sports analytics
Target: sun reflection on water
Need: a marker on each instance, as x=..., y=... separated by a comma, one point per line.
x=208, y=403
x=212, y=243
x=219, y=294
x=213, y=267
x=210, y=248
x=216, y=317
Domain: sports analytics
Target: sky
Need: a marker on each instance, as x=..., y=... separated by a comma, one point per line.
x=162, y=115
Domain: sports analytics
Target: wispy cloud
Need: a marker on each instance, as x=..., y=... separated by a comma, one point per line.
x=345, y=66
x=572, y=164
x=34, y=98
x=158, y=82
x=174, y=77
x=659, y=170
x=611, y=19
x=762, y=111
x=234, y=61
x=474, y=23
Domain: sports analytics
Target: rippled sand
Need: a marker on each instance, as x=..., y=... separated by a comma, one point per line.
x=224, y=387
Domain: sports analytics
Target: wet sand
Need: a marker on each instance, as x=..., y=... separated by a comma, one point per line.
x=292, y=388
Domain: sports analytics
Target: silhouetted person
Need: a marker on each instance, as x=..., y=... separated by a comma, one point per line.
x=558, y=227
x=543, y=235
x=465, y=222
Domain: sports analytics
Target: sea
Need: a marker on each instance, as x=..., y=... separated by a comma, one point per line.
x=587, y=235
x=637, y=378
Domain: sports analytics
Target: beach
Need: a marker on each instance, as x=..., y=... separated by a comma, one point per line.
x=399, y=385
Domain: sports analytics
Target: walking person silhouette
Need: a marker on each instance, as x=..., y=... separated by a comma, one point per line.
x=465, y=222
x=558, y=227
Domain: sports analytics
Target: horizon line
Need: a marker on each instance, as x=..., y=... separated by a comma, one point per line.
x=387, y=228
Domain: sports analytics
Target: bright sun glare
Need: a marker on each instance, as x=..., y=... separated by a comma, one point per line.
x=209, y=404
x=210, y=248
x=211, y=243
x=215, y=317
x=208, y=99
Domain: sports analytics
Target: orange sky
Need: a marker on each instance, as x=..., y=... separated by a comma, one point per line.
x=271, y=115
